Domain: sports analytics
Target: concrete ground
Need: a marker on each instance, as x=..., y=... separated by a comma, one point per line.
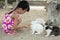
x=25, y=34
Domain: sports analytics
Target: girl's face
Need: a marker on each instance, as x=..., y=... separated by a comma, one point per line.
x=21, y=11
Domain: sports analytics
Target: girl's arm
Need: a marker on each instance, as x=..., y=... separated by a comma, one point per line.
x=27, y=26
x=16, y=22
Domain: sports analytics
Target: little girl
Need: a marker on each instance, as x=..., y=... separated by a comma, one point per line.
x=12, y=19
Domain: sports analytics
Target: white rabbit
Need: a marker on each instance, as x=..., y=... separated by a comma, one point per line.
x=37, y=27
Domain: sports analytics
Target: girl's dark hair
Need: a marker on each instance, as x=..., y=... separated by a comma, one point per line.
x=22, y=4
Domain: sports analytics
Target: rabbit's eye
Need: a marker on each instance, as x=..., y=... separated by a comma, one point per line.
x=47, y=28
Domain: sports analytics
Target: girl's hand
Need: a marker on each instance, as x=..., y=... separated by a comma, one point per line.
x=27, y=26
